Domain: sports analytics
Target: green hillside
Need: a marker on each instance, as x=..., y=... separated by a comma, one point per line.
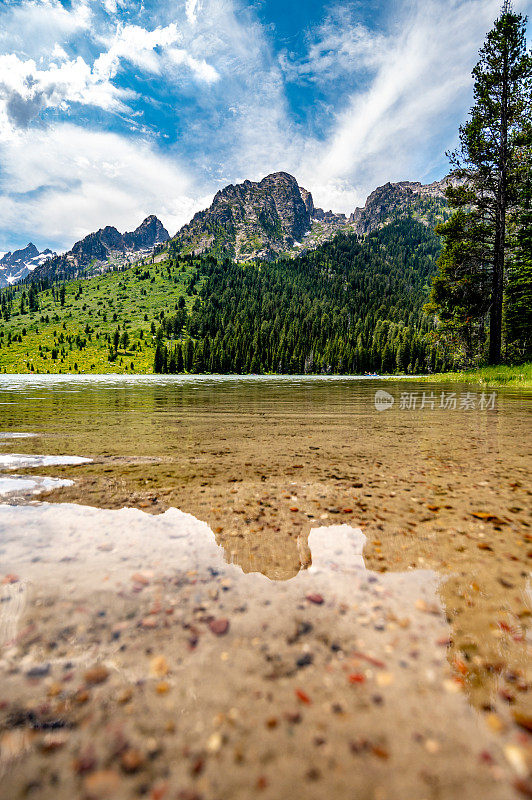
x=346, y=307
x=80, y=334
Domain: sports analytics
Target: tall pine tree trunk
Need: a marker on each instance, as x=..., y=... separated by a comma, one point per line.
x=500, y=225
x=497, y=287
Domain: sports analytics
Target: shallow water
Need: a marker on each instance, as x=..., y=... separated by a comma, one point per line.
x=372, y=561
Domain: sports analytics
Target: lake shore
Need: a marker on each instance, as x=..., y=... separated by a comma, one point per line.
x=519, y=377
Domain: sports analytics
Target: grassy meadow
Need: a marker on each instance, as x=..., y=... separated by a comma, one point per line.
x=79, y=335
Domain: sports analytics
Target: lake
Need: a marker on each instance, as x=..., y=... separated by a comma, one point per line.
x=216, y=587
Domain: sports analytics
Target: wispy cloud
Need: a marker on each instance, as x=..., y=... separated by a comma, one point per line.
x=406, y=113
x=339, y=48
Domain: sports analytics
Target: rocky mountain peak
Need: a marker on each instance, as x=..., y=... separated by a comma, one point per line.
x=150, y=232
x=106, y=247
x=14, y=266
x=250, y=220
x=394, y=200
x=30, y=251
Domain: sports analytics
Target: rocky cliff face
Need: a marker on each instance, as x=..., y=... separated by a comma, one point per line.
x=251, y=220
x=393, y=201
x=21, y=263
x=104, y=249
x=147, y=235
x=276, y=216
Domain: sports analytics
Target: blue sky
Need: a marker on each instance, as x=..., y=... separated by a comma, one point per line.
x=111, y=110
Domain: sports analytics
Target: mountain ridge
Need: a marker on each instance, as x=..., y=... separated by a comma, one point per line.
x=17, y=265
x=276, y=216
x=253, y=220
x=105, y=248
x=349, y=306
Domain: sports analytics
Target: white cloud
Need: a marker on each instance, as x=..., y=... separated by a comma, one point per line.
x=59, y=53
x=138, y=46
x=25, y=90
x=151, y=51
x=34, y=26
x=199, y=67
x=191, y=9
x=60, y=184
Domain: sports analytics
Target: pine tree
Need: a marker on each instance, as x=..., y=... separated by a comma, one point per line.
x=460, y=292
x=179, y=360
x=159, y=364
x=487, y=168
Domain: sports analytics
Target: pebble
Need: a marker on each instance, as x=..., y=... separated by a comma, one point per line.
x=219, y=626
x=102, y=784
x=39, y=671
x=140, y=579
x=516, y=756
x=159, y=667
x=125, y=696
x=524, y=786
x=97, y=674
x=53, y=742
x=317, y=599
x=495, y=722
x=132, y=760
x=523, y=720
x=86, y=761
x=214, y=742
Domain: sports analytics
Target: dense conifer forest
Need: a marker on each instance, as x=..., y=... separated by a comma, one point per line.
x=348, y=307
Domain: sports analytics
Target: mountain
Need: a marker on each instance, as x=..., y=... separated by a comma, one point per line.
x=263, y=220
x=426, y=204
x=104, y=249
x=276, y=217
x=147, y=235
x=249, y=220
x=17, y=265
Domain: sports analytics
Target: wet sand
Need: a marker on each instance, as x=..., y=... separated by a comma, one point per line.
x=267, y=662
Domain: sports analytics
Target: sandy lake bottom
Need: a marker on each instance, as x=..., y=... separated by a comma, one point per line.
x=222, y=588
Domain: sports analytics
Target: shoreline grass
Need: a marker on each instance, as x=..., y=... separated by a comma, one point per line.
x=518, y=377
